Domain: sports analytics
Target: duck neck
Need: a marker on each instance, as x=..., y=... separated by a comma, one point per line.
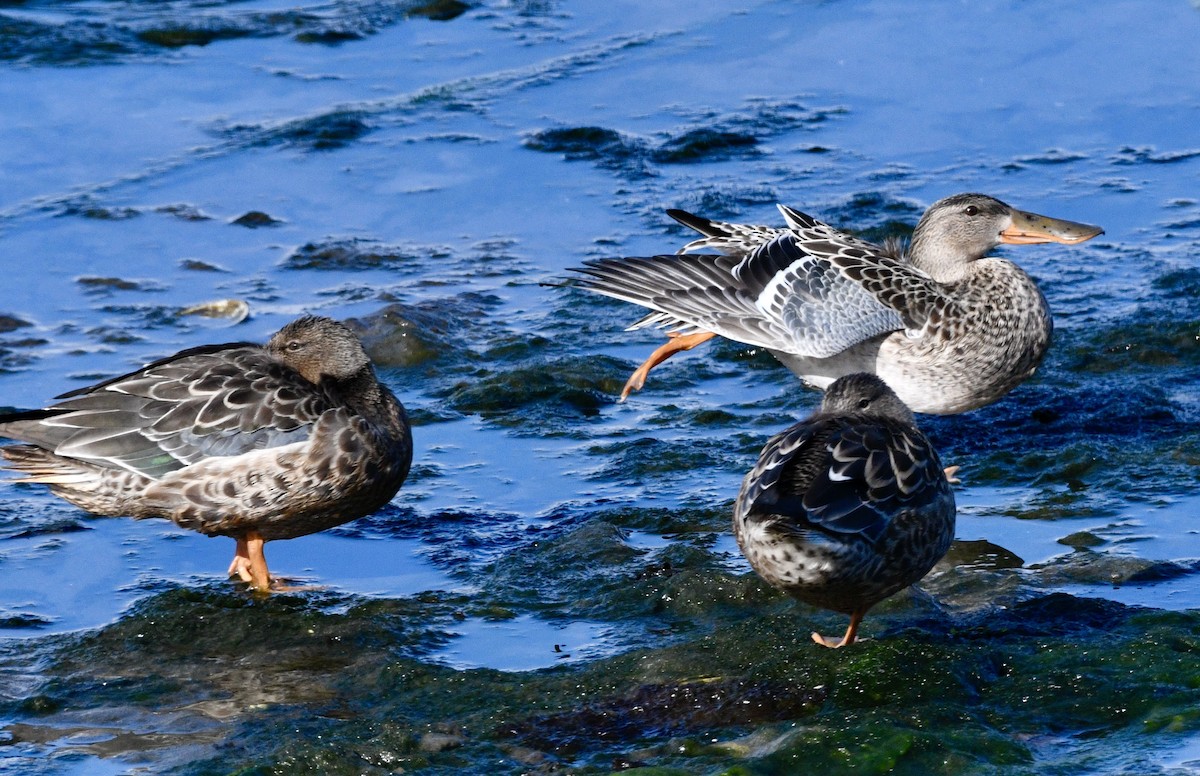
x=941, y=259
x=363, y=394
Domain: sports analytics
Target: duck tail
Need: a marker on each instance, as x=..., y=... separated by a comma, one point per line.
x=33, y=464
x=95, y=489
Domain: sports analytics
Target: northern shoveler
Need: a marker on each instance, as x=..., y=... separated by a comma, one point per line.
x=847, y=507
x=947, y=327
x=249, y=441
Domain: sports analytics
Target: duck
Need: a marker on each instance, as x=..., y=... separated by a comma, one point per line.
x=254, y=442
x=848, y=506
x=947, y=326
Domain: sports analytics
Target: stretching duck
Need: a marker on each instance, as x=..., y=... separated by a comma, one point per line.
x=254, y=442
x=947, y=327
x=847, y=507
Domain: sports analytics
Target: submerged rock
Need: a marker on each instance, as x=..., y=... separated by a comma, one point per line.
x=398, y=336
x=359, y=254
x=440, y=10
x=10, y=323
x=255, y=219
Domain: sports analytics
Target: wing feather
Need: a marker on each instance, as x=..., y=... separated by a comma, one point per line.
x=808, y=290
x=846, y=476
x=207, y=402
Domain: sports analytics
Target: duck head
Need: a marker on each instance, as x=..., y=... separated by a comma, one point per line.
x=864, y=394
x=319, y=348
x=965, y=227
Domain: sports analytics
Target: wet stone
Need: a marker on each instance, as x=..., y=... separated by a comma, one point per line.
x=44, y=527
x=440, y=10
x=184, y=212
x=178, y=37
x=102, y=213
x=608, y=148
x=23, y=620
x=983, y=554
x=704, y=145
x=1082, y=540
x=196, y=265
x=544, y=397
x=231, y=310
x=397, y=336
x=255, y=219
x=10, y=323
x=324, y=133
x=101, y=284
x=1163, y=571
x=356, y=254
x=328, y=37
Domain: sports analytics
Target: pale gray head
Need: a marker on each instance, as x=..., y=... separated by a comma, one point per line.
x=319, y=348
x=864, y=394
x=963, y=228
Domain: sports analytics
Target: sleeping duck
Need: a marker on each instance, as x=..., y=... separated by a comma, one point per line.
x=254, y=442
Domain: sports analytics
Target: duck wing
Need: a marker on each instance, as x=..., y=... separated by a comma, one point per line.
x=221, y=400
x=721, y=236
x=880, y=271
x=845, y=476
x=808, y=290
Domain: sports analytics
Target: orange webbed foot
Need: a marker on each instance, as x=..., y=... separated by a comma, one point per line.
x=850, y=636
x=828, y=641
x=675, y=343
x=249, y=564
x=253, y=571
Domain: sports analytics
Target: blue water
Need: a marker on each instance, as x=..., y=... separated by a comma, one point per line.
x=125, y=166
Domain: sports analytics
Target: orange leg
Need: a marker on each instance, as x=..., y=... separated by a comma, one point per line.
x=673, y=345
x=260, y=578
x=249, y=563
x=240, y=567
x=851, y=632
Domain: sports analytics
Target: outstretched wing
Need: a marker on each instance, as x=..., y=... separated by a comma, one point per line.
x=808, y=290
x=721, y=236
x=879, y=271
x=688, y=293
x=846, y=476
x=214, y=401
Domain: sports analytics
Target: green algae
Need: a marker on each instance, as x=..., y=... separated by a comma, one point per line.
x=180, y=36
x=546, y=395
x=718, y=673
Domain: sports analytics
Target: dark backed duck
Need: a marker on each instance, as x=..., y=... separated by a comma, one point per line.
x=847, y=507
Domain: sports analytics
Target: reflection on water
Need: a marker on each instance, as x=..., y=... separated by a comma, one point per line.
x=521, y=644
x=422, y=169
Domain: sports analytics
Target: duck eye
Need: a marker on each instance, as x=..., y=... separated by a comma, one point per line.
x=864, y=403
x=295, y=345
x=971, y=210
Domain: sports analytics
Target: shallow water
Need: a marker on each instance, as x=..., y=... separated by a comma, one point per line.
x=555, y=587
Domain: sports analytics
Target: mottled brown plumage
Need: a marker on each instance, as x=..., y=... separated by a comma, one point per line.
x=254, y=442
x=947, y=327
x=847, y=507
